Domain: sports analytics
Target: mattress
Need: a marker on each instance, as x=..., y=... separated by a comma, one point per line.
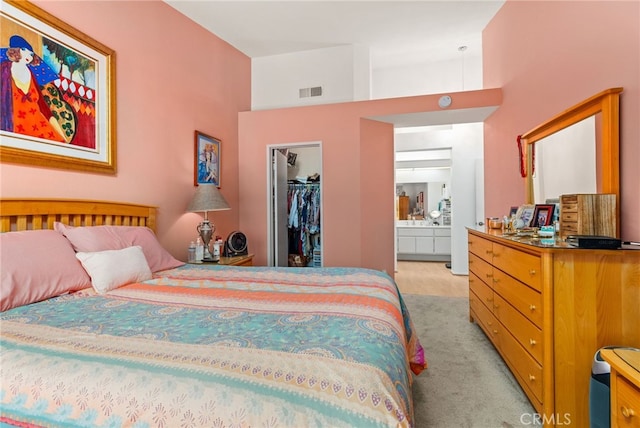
x=206, y=345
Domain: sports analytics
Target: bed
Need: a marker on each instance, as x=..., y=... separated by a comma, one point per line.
x=176, y=344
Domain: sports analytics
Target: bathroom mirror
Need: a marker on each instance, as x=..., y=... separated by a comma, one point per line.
x=579, y=145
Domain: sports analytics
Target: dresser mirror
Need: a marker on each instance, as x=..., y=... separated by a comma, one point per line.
x=576, y=151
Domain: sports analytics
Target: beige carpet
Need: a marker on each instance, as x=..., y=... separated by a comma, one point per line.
x=467, y=384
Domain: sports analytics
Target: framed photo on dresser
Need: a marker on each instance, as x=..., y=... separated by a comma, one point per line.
x=524, y=215
x=542, y=215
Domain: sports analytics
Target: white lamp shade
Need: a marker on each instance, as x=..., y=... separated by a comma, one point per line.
x=207, y=198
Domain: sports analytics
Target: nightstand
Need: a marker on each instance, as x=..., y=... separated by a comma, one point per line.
x=625, y=386
x=237, y=260
x=230, y=261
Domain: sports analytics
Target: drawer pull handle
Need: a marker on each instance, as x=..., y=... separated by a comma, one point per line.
x=495, y=280
x=532, y=378
x=532, y=272
x=627, y=413
x=489, y=275
x=488, y=299
x=496, y=306
x=489, y=252
x=532, y=342
x=532, y=307
x=496, y=332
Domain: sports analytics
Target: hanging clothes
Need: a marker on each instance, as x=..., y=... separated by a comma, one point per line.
x=304, y=218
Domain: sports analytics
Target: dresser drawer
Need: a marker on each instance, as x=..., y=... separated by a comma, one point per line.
x=568, y=200
x=627, y=413
x=481, y=290
x=571, y=207
x=569, y=228
x=565, y=216
x=525, y=367
x=526, y=300
x=524, y=331
x=525, y=267
x=481, y=268
x=481, y=247
x=484, y=318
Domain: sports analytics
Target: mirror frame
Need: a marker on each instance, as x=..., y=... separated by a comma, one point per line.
x=606, y=102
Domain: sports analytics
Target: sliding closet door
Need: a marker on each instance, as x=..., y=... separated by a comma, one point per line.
x=281, y=250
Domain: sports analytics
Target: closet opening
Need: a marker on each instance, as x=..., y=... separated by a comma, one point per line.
x=295, y=205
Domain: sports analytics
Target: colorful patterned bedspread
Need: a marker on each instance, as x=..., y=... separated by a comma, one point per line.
x=215, y=346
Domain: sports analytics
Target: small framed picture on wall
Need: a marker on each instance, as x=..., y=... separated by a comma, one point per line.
x=207, y=160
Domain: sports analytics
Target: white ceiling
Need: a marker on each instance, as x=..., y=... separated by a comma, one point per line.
x=397, y=32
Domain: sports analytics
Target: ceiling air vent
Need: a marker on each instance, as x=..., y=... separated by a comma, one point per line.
x=316, y=91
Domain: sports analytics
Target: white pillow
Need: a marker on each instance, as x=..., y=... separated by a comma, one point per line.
x=111, y=269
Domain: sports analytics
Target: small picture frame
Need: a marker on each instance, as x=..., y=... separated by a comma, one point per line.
x=513, y=211
x=542, y=215
x=524, y=215
x=291, y=158
x=556, y=211
x=207, y=160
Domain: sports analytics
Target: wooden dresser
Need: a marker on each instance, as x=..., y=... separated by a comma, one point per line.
x=547, y=310
x=625, y=386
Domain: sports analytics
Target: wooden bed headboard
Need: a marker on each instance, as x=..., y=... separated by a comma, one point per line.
x=29, y=214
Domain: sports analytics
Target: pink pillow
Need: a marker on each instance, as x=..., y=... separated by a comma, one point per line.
x=100, y=238
x=37, y=265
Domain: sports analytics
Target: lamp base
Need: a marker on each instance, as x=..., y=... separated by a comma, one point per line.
x=208, y=257
x=205, y=230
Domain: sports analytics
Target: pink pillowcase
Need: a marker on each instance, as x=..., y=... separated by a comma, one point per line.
x=101, y=238
x=37, y=265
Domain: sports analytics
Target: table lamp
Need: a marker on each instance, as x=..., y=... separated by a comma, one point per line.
x=207, y=198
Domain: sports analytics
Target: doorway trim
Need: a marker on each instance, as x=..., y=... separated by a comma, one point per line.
x=270, y=205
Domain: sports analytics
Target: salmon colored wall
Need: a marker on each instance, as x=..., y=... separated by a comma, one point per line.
x=547, y=56
x=172, y=77
x=357, y=175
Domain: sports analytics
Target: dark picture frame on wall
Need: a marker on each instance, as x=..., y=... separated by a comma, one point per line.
x=207, y=160
x=66, y=116
x=542, y=215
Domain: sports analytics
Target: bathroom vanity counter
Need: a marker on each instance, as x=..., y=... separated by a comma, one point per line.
x=417, y=240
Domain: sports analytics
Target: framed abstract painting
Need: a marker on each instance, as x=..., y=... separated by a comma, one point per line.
x=207, y=160
x=57, y=93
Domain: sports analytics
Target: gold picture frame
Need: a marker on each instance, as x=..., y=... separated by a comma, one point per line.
x=69, y=84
